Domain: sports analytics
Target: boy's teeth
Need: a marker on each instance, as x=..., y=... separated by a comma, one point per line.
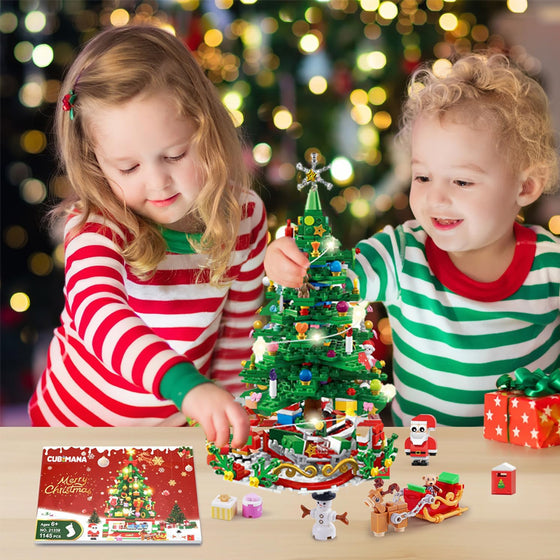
x=445, y=221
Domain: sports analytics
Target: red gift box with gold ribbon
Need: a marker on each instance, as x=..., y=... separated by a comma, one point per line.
x=521, y=413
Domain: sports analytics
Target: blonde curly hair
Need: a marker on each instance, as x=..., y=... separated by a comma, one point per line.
x=113, y=68
x=485, y=89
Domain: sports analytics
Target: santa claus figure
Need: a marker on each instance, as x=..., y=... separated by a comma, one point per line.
x=419, y=445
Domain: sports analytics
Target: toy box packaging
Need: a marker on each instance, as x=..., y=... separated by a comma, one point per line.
x=117, y=495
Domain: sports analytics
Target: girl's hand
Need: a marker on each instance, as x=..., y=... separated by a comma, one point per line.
x=216, y=410
x=285, y=264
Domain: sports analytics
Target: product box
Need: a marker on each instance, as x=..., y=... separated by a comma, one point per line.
x=113, y=495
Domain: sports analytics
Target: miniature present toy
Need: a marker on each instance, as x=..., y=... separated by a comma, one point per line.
x=526, y=409
x=503, y=479
x=252, y=506
x=224, y=507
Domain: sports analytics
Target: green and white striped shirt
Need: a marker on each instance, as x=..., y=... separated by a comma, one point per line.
x=453, y=336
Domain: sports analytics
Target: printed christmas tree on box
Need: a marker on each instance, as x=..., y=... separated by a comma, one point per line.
x=314, y=388
x=117, y=494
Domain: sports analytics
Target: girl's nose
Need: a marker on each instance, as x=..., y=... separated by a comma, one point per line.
x=159, y=177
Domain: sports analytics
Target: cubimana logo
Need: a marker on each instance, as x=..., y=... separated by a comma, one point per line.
x=65, y=459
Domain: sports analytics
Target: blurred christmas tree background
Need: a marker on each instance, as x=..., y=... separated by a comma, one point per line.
x=297, y=76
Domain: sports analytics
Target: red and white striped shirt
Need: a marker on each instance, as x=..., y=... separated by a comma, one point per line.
x=119, y=335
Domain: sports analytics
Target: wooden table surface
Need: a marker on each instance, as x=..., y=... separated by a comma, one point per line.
x=523, y=526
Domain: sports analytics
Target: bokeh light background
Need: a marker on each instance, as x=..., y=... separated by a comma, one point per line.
x=297, y=76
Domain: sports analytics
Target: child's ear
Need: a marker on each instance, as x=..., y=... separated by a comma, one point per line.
x=532, y=185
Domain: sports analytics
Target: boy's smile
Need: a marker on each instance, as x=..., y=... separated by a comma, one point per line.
x=464, y=194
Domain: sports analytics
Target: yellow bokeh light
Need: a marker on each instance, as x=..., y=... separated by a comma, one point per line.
x=388, y=10
x=434, y=5
x=33, y=141
x=480, y=33
x=361, y=114
x=368, y=136
x=441, y=67
x=382, y=120
x=338, y=203
x=31, y=94
x=369, y=5
x=359, y=208
x=262, y=153
x=383, y=202
x=251, y=36
x=237, y=117
x=282, y=118
x=318, y=85
x=342, y=171
x=232, y=100
x=119, y=17
x=33, y=191
x=23, y=51
x=58, y=255
x=286, y=171
x=358, y=97
x=42, y=55
x=40, y=264
x=15, y=237
x=313, y=15
x=35, y=21
x=377, y=60
x=377, y=95
x=8, y=22
x=309, y=43
x=554, y=225
x=213, y=37
x=20, y=302
x=517, y=6
x=448, y=22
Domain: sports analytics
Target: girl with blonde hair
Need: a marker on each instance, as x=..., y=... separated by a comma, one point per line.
x=164, y=244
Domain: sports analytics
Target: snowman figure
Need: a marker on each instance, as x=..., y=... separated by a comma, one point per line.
x=324, y=516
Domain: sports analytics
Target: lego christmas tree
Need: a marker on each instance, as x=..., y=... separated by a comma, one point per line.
x=130, y=497
x=314, y=388
x=311, y=348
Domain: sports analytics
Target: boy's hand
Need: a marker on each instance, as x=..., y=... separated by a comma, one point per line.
x=285, y=264
x=216, y=410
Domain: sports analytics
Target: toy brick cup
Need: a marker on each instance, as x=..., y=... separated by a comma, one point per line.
x=522, y=414
x=252, y=506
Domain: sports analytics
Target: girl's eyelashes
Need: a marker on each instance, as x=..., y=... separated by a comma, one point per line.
x=177, y=158
x=421, y=178
x=128, y=171
x=461, y=183
x=168, y=158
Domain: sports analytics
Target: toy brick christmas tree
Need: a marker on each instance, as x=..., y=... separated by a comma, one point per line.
x=130, y=497
x=313, y=389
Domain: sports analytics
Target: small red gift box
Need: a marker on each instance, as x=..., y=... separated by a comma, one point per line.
x=513, y=417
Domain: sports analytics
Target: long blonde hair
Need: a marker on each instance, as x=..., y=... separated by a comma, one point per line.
x=114, y=67
x=487, y=89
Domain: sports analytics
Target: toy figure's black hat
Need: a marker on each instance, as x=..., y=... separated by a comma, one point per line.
x=323, y=496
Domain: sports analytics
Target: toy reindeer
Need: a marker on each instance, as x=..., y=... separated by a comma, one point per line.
x=385, y=513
